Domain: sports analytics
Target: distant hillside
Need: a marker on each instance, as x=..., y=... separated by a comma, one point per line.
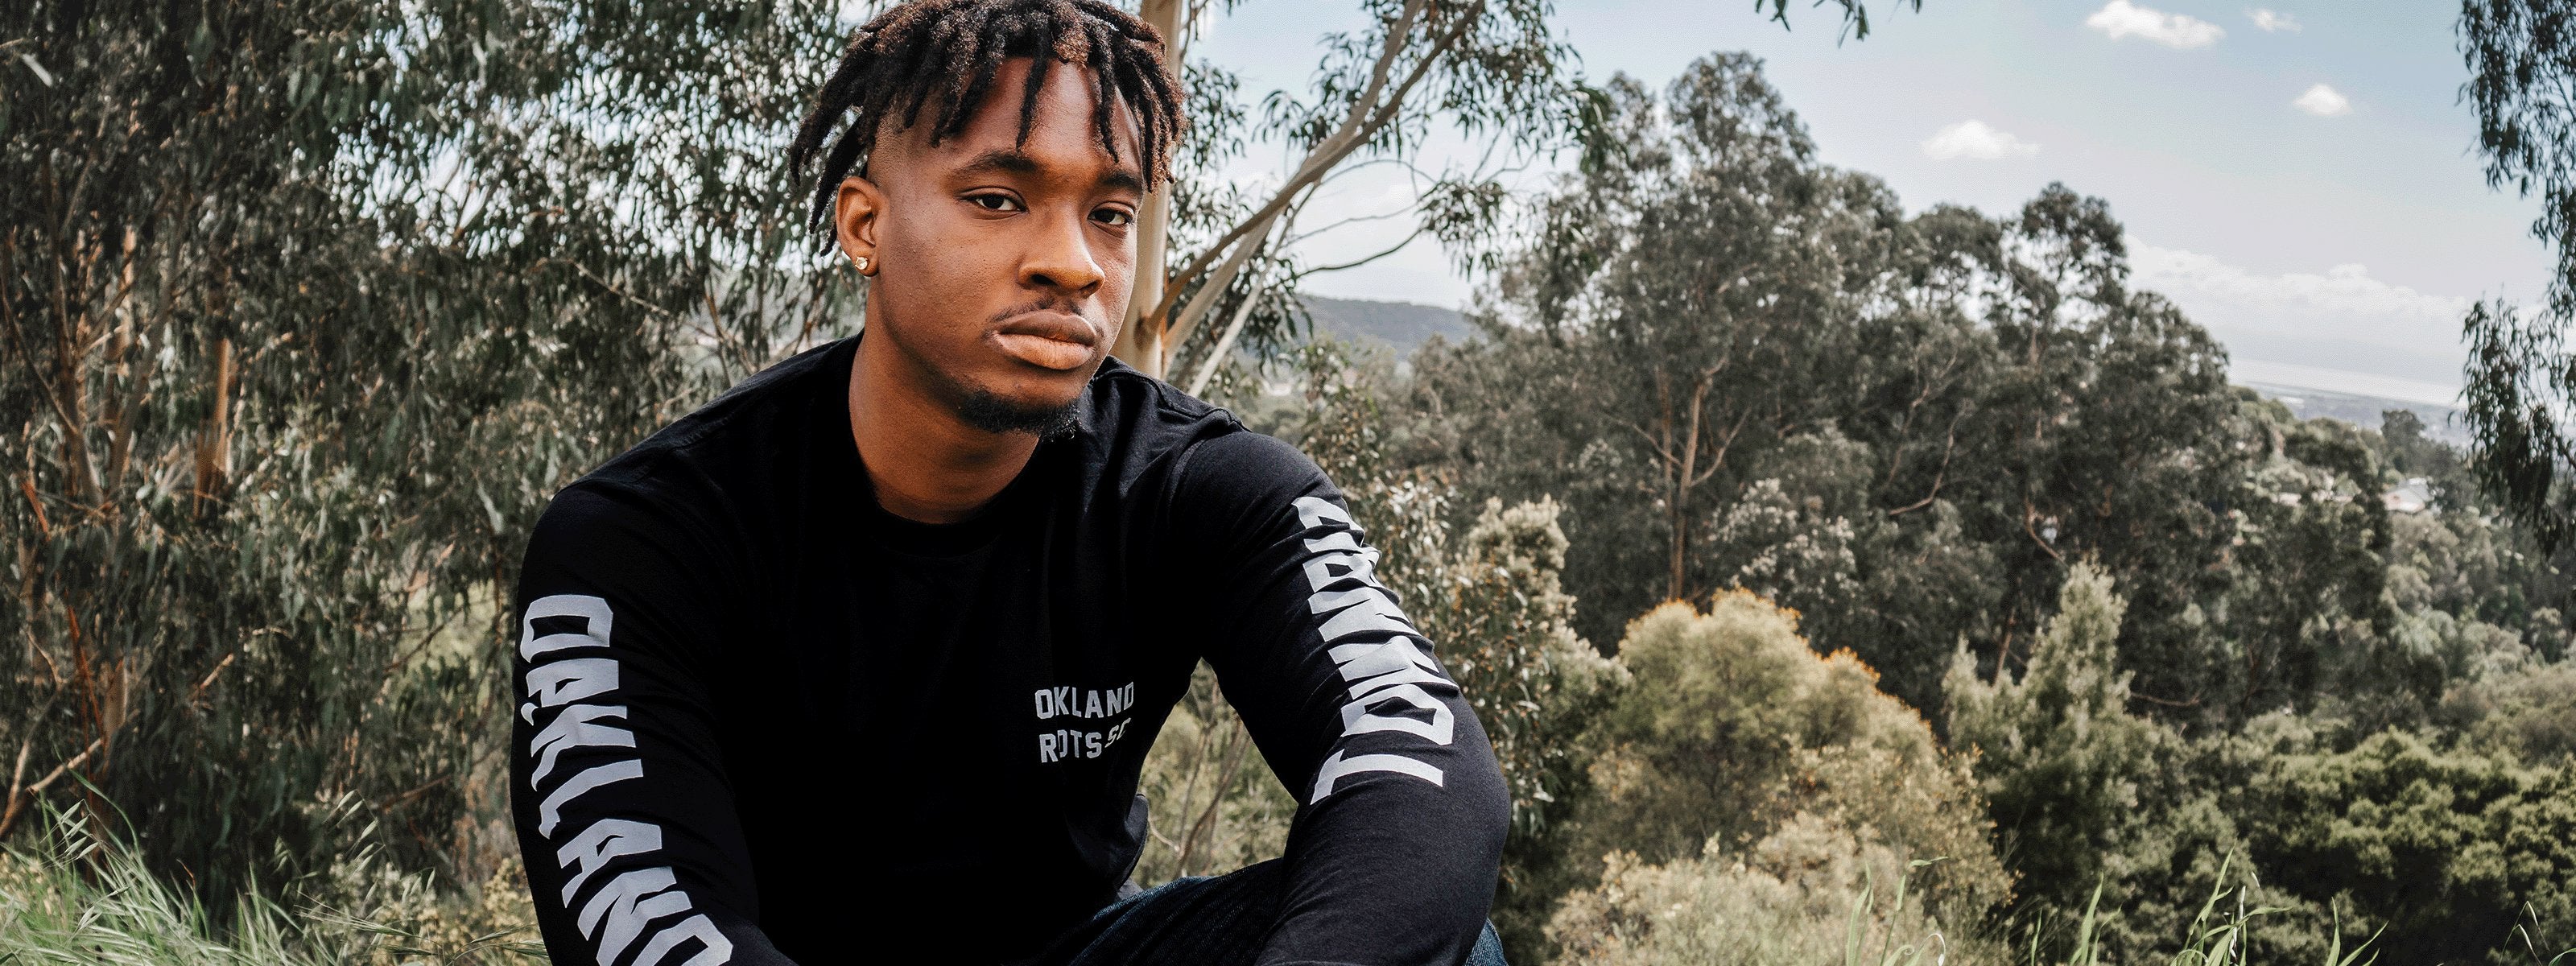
x=1405, y=326
x=1401, y=326
x=2444, y=423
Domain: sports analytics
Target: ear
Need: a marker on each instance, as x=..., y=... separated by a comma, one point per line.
x=854, y=221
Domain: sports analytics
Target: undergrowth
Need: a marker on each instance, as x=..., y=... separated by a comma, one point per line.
x=82, y=899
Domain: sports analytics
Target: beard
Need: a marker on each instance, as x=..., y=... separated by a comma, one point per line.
x=990, y=412
x=982, y=408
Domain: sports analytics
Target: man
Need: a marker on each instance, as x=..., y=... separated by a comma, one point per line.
x=860, y=663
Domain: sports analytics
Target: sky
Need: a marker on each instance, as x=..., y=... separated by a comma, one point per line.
x=2300, y=177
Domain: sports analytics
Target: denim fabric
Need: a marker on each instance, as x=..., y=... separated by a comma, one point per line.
x=1198, y=921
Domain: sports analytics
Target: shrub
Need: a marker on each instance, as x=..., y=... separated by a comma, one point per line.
x=1804, y=894
x=2059, y=757
x=2444, y=847
x=2529, y=712
x=1735, y=729
x=2447, y=848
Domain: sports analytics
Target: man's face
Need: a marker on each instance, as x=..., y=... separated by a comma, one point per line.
x=1002, y=266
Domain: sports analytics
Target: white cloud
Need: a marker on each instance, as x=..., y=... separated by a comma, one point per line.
x=2323, y=101
x=1973, y=139
x=2344, y=290
x=2120, y=18
x=2343, y=318
x=2272, y=21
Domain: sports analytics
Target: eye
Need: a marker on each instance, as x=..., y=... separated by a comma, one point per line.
x=1114, y=217
x=994, y=201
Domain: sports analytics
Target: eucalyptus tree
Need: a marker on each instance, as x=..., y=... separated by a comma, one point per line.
x=1490, y=67
x=2108, y=429
x=1739, y=367
x=1724, y=253
x=1671, y=321
x=1493, y=71
x=2521, y=57
x=308, y=306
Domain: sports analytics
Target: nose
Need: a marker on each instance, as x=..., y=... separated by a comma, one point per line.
x=1060, y=258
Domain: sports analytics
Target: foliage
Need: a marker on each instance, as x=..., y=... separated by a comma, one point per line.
x=1736, y=729
x=1717, y=181
x=2528, y=713
x=2467, y=558
x=2521, y=56
x=2309, y=553
x=1536, y=688
x=1494, y=70
x=1805, y=894
x=2059, y=757
x=2088, y=796
x=2447, y=849
x=94, y=902
x=1764, y=911
x=308, y=307
x=1211, y=808
x=1486, y=67
x=1739, y=367
x=2440, y=848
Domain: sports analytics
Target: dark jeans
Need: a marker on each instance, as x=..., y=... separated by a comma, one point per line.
x=1198, y=921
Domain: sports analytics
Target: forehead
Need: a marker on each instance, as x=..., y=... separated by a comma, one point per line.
x=1063, y=132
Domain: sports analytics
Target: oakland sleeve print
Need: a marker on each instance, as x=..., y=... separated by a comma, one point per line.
x=633, y=851
x=1393, y=854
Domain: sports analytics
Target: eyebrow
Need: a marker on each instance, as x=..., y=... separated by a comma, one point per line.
x=1014, y=161
x=1004, y=161
x=1124, y=178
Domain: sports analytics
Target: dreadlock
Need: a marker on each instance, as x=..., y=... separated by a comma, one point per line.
x=943, y=54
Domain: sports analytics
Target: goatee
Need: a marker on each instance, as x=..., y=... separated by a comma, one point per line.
x=991, y=413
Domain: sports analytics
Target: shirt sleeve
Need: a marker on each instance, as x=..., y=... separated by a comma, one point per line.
x=1394, y=850
x=634, y=853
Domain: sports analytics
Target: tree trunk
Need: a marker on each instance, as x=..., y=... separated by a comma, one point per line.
x=215, y=445
x=1685, y=479
x=1140, y=338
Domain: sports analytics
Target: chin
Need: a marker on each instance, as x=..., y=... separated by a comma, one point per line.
x=1047, y=412
x=1038, y=386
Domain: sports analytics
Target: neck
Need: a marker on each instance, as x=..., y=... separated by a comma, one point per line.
x=926, y=464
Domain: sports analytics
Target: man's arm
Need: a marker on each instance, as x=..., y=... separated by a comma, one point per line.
x=1393, y=854
x=634, y=853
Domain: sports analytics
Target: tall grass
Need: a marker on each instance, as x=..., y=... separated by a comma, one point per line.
x=1730, y=911
x=2216, y=936
x=84, y=900
x=81, y=899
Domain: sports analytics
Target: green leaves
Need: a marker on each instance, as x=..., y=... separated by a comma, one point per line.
x=1855, y=13
x=308, y=308
x=2521, y=56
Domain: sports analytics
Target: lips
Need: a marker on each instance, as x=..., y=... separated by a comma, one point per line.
x=1047, y=339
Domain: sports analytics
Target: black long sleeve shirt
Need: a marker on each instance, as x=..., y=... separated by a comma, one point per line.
x=763, y=721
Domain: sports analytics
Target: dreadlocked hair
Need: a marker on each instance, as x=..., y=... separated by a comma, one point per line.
x=944, y=54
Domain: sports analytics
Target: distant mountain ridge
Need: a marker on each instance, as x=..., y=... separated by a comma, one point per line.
x=1404, y=326
x=2446, y=423
x=1401, y=326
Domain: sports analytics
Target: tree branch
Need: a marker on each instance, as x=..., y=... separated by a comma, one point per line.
x=1225, y=341
x=1938, y=475
x=2029, y=517
x=19, y=797
x=1364, y=120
